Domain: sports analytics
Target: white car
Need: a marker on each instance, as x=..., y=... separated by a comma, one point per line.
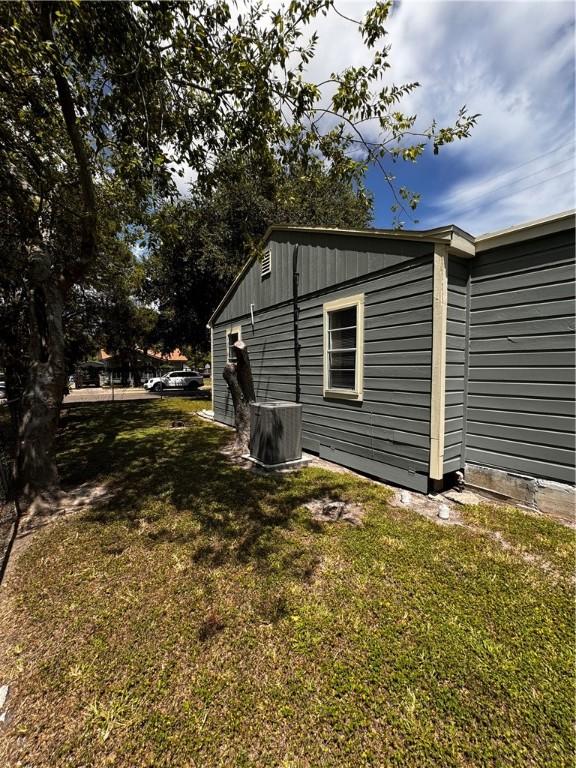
x=175, y=380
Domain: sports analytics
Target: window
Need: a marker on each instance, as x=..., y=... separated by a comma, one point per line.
x=344, y=347
x=266, y=264
x=232, y=336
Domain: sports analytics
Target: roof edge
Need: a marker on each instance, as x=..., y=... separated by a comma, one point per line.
x=459, y=242
x=437, y=234
x=230, y=291
x=549, y=225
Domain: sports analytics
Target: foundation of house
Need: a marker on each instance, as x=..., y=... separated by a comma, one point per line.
x=546, y=496
x=287, y=465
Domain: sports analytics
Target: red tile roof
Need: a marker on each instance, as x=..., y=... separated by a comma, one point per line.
x=170, y=357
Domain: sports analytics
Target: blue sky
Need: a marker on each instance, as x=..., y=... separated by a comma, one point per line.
x=514, y=63
x=511, y=61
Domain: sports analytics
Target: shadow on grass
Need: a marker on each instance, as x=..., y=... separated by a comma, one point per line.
x=232, y=513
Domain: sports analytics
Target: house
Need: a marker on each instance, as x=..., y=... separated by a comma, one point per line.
x=128, y=368
x=133, y=367
x=416, y=354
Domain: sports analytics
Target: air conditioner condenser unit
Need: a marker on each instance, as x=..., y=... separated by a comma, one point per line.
x=275, y=432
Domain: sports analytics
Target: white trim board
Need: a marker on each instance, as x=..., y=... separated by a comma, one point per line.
x=438, y=382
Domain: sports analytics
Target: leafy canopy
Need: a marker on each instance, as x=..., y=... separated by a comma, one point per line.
x=119, y=94
x=197, y=246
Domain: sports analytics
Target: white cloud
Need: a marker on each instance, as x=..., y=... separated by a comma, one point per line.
x=183, y=182
x=511, y=61
x=521, y=80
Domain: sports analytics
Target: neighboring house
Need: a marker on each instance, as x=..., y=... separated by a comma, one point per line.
x=129, y=368
x=416, y=354
x=134, y=368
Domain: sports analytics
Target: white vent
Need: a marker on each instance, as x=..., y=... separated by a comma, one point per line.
x=266, y=265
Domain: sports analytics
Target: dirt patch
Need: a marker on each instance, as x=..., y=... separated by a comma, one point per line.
x=435, y=508
x=72, y=502
x=325, y=464
x=529, y=557
x=330, y=511
x=430, y=506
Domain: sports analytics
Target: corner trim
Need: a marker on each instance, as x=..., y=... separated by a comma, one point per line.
x=438, y=383
x=212, y=366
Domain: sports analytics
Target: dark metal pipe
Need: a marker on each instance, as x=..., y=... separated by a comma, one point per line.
x=296, y=313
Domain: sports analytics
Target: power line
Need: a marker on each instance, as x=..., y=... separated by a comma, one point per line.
x=530, y=186
x=539, y=157
x=515, y=181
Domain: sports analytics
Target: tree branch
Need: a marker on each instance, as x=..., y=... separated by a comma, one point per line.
x=66, y=102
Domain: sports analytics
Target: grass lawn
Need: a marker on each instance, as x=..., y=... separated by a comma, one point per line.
x=200, y=618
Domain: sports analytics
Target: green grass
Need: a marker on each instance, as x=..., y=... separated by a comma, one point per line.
x=201, y=618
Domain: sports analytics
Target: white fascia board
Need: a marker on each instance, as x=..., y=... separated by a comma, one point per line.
x=461, y=246
x=531, y=229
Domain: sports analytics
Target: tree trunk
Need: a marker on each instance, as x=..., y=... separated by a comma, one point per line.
x=124, y=367
x=136, y=370
x=238, y=376
x=36, y=472
x=47, y=287
x=16, y=375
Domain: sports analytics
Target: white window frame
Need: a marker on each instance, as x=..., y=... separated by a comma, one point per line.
x=331, y=306
x=233, y=329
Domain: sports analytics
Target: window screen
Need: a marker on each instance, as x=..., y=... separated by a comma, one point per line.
x=342, y=332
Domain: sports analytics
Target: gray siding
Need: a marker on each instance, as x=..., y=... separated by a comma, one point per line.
x=509, y=353
x=456, y=350
x=323, y=261
x=520, y=414
x=388, y=433
x=271, y=348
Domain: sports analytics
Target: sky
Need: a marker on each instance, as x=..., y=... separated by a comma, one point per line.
x=512, y=62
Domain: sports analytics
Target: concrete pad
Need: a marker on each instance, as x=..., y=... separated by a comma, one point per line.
x=519, y=488
x=464, y=498
x=556, y=499
x=287, y=465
